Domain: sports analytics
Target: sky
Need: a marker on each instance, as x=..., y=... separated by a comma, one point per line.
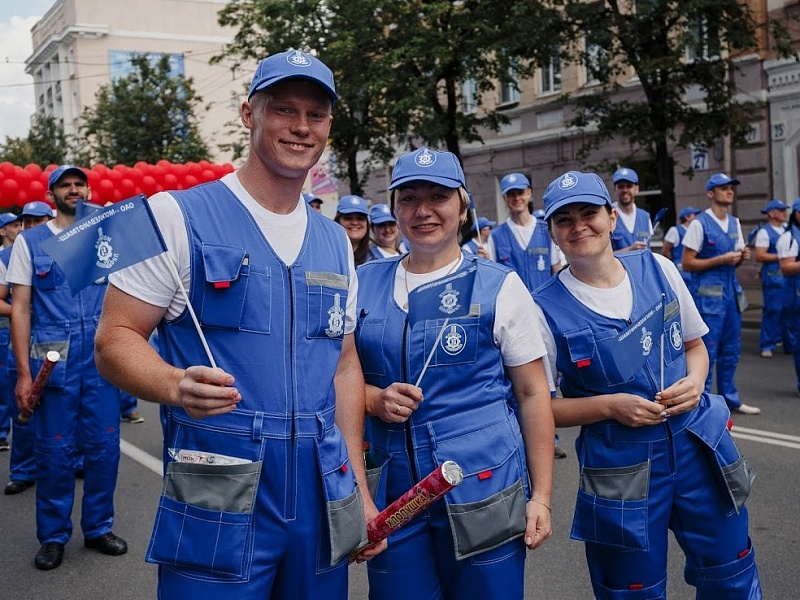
x=17, y=101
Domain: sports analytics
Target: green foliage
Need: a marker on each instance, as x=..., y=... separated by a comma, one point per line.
x=147, y=115
x=399, y=65
x=45, y=144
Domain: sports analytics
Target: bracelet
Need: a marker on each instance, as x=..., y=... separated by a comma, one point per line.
x=533, y=499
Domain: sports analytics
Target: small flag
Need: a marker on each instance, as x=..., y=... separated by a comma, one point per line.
x=659, y=216
x=445, y=298
x=105, y=241
x=632, y=347
x=83, y=209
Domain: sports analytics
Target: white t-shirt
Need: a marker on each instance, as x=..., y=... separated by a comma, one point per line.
x=762, y=237
x=672, y=236
x=523, y=234
x=152, y=280
x=20, y=265
x=629, y=220
x=617, y=303
x=516, y=329
x=786, y=247
x=3, y=273
x=694, y=233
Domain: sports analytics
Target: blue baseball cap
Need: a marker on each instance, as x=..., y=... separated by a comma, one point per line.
x=441, y=168
x=538, y=213
x=574, y=187
x=484, y=222
x=689, y=210
x=6, y=218
x=309, y=198
x=352, y=204
x=58, y=173
x=719, y=179
x=625, y=174
x=774, y=205
x=37, y=208
x=292, y=64
x=381, y=213
x=514, y=181
x=796, y=204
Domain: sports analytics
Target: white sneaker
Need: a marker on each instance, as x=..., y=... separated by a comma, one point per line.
x=746, y=409
x=766, y=354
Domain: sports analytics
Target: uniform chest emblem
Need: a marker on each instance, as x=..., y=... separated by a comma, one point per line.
x=454, y=339
x=105, y=251
x=449, y=300
x=676, y=336
x=646, y=341
x=335, y=318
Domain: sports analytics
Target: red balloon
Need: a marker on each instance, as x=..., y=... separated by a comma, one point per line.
x=37, y=189
x=114, y=176
x=10, y=188
x=170, y=181
x=164, y=164
x=141, y=165
x=190, y=181
x=127, y=188
x=207, y=175
x=7, y=168
x=117, y=195
x=33, y=169
x=149, y=185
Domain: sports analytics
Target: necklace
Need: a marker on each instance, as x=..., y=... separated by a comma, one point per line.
x=452, y=268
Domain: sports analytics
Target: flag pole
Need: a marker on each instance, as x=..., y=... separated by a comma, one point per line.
x=176, y=276
x=430, y=354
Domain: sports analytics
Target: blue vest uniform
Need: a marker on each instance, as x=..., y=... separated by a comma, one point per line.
x=281, y=523
x=79, y=409
x=622, y=238
x=7, y=400
x=470, y=247
x=21, y=464
x=773, y=292
x=532, y=264
x=638, y=482
x=677, y=254
x=792, y=301
x=465, y=417
x=717, y=293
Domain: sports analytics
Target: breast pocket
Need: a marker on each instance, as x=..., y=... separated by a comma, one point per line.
x=45, y=275
x=326, y=305
x=369, y=342
x=456, y=342
x=586, y=360
x=230, y=283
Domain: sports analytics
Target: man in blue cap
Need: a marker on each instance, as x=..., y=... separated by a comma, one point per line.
x=481, y=237
x=673, y=246
x=9, y=227
x=313, y=201
x=713, y=248
x=22, y=463
x=79, y=410
x=263, y=397
x=773, y=324
x=634, y=229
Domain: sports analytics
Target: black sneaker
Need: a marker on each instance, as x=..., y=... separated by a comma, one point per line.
x=49, y=556
x=4, y=447
x=559, y=452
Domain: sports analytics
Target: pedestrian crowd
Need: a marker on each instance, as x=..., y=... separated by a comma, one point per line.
x=310, y=371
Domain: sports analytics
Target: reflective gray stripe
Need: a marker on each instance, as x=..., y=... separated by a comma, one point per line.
x=673, y=309
x=474, y=310
x=712, y=291
x=332, y=280
x=39, y=351
x=538, y=250
x=739, y=478
x=4, y=322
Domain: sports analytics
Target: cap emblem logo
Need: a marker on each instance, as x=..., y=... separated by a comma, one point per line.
x=567, y=181
x=424, y=158
x=298, y=59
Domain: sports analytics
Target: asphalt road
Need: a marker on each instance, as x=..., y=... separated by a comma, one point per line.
x=557, y=571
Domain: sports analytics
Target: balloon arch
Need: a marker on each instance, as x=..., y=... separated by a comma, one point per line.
x=19, y=185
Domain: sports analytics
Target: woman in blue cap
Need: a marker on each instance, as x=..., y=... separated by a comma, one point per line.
x=385, y=235
x=673, y=239
x=439, y=389
x=480, y=237
x=352, y=213
x=654, y=450
x=788, y=249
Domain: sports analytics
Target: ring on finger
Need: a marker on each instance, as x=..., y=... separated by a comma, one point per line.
x=397, y=410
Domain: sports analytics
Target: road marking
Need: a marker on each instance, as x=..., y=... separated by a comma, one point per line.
x=766, y=437
x=142, y=457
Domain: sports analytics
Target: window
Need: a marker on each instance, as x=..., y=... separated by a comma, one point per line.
x=703, y=40
x=551, y=75
x=509, y=92
x=469, y=96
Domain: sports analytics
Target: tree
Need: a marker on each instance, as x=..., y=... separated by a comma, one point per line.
x=45, y=144
x=147, y=115
x=399, y=66
x=673, y=48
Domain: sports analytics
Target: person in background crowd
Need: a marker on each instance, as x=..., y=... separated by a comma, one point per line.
x=773, y=289
x=10, y=226
x=523, y=244
x=654, y=450
x=352, y=213
x=460, y=410
x=385, y=234
x=788, y=249
x=713, y=249
x=22, y=463
x=634, y=229
x=79, y=410
x=267, y=445
x=481, y=237
x=673, y=240
x=313, y=201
